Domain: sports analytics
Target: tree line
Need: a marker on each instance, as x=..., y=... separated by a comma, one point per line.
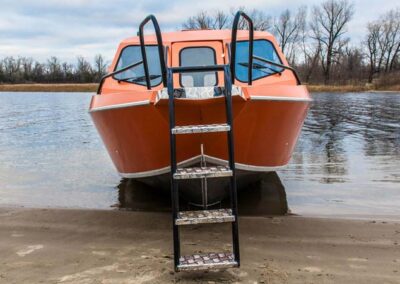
x=314, y=40
x=26, y=70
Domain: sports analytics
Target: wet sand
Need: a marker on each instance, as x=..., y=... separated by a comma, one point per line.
x=94, y=246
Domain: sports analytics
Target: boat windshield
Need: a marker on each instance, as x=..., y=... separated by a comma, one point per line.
x=132, y=54
x=261, y=48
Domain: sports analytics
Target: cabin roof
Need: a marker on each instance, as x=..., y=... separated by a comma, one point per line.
x=197, y=35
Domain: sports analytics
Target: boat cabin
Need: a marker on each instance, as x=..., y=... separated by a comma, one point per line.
x=141, y=62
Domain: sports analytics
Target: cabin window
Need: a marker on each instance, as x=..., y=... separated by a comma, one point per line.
x=132, y=54
x=261, y=48
x=198, y=56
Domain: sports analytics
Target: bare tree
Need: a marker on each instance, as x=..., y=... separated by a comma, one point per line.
x=99, y=67
x=27, y=65
x=383, y=43
x=391, y=34
x=38, y=72
x=328, y=25
x=373, y=50
x=2, y=75
x=12, y=70
x=207, y=21
x=54, y=69
x=261, y=21
x=68, y=71
x=289, y=29
x=218, y=19
x=83, y=70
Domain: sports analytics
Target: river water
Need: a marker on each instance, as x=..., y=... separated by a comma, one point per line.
x=347, y=160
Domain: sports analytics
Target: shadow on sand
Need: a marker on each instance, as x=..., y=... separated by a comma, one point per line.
x=267, y=196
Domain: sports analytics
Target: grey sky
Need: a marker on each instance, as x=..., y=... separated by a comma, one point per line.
x=68, y=28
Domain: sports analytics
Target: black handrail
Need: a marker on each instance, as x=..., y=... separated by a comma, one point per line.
x=160, y=50
x=279, y=65
x=233, y=45
x=205, y=68
x=115, y=73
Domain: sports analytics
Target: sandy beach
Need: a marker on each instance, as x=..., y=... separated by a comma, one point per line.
x=94, y=246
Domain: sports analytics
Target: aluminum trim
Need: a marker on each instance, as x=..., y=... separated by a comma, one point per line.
x=270, y=98
x=139, y=103
x=195, y=159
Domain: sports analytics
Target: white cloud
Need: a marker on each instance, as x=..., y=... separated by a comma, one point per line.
x=68, y=28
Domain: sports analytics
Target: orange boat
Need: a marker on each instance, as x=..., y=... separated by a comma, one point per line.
x=131, y=110
x=207, y=112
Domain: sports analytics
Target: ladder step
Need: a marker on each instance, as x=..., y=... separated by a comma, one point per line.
x=187, y=129
x=204, y=216
x=202, y=172
x=207, y=261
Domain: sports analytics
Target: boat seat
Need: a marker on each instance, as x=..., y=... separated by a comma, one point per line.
x=198, y=92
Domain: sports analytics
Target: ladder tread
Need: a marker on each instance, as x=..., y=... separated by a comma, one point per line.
x=207, y=261
x=202, y=172
x=204, y=217
x=204, y=128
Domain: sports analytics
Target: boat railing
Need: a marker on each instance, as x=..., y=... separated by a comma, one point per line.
x=157, y=30
x=235, y=26
x=115, y=73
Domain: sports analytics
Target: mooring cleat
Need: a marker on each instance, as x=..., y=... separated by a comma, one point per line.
x=188, y=129
x=204, y=217
x=206, y=261
x=202, y=172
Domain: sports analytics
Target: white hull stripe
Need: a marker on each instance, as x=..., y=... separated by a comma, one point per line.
x=139, y=103
x=285, y=99
x=197, y=159
x=253, y=98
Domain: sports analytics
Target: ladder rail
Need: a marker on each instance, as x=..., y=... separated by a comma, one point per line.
x=231, y=153
x=174, y=183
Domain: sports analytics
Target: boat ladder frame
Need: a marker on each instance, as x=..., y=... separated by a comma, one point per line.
x=180, y=218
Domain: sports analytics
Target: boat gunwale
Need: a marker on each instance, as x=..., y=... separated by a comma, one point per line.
x=252, y=98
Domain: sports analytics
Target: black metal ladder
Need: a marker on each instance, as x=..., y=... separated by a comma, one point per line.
x=180, y=218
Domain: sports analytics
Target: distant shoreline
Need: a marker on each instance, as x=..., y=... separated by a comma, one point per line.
x=92, y=87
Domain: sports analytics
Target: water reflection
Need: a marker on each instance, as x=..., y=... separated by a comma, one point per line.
x=347, y=159
x=265, y=197
x=348, y=153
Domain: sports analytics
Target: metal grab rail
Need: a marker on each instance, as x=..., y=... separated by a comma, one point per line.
x=233, y=45
x=115, y=73
x=160, y=50
x=205, y=68
x=280, y=65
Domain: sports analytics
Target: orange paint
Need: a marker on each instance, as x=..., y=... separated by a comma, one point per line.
x=135, y=128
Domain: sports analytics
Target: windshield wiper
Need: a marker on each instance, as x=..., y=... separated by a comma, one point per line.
x=259, y=67
x=138, y=79
x=115, y=73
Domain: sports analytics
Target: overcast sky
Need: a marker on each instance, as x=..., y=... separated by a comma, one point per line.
x=68, y=28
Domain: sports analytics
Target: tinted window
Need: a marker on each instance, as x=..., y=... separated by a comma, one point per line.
x=132, y=54
x=261, y=48
x=198, y=56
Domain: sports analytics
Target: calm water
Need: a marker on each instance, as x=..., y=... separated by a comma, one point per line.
x=347, y=160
